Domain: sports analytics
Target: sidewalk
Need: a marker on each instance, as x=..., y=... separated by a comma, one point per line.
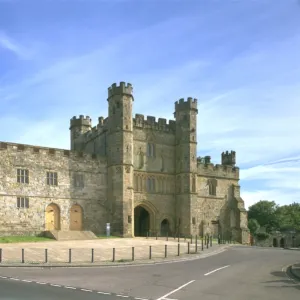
x=100, y=252
x=295, y=270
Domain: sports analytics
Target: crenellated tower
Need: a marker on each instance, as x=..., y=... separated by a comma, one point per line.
x=79, y=126
x=186, y=162
x=120, y=158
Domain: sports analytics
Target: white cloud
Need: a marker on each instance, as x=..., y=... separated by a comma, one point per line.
x=19, y=50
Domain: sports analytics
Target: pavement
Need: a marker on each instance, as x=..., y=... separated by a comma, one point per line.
x=100, y=252
x=295, y=271
x=240, y=272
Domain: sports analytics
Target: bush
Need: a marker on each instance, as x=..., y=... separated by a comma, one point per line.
x=262, y=236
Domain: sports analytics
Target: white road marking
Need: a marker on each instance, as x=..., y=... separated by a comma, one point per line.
x=40, y=282
x=84, y=290
x=174, y=291
x=24, y=280
x=216, y=270
x=103, y=293
x=137, y=298
x=122, y=296
x=55, y=285
x=3, y=277
x=16, y=279
x=70, y=287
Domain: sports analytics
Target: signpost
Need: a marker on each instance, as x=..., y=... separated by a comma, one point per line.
x=107, y=229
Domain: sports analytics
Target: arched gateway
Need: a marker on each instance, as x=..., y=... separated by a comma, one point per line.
x=141, y=221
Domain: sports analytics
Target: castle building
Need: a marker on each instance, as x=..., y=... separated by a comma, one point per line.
x=138, y=174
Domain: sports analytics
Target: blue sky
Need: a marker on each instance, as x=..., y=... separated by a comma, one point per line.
x=240, y=58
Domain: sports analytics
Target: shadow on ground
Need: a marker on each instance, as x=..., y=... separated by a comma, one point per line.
x=281, y=280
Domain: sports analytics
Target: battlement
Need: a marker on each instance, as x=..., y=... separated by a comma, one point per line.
x=150, y=122
x=206, y=168
x=229, y=159
x=52, y=152
x=122, y=89
x=81, y=121
x=190, y=104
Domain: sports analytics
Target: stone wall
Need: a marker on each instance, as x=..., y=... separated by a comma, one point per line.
x=38, y=161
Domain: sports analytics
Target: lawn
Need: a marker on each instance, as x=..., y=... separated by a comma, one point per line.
x=23, y=239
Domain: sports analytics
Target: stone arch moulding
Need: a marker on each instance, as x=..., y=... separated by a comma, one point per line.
x=152, y=210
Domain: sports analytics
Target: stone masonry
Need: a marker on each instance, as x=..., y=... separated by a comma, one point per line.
x=140, y=175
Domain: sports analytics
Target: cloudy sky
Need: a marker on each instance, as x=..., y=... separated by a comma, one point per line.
x=240, y=58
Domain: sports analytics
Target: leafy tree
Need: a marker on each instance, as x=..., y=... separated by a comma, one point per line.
x=265, y=212
x=289, y=216
x=253, y=226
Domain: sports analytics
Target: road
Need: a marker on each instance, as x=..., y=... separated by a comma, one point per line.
x=238, y=273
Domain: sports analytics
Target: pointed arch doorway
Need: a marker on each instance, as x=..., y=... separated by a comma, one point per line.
x=165, y=227
x=141, y=221
x=52, y=217
x=76, y=216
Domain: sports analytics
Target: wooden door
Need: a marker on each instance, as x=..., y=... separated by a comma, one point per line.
x=52, y=217
x=76, y=218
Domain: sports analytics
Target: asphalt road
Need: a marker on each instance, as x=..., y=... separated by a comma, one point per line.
x=239, y=273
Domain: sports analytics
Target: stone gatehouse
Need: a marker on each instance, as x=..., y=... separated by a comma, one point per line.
x=139, y=174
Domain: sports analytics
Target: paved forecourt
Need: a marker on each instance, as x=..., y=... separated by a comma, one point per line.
x=98, y=251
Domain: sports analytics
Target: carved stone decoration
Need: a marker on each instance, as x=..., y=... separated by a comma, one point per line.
x=141, y=159
x=118, y=170
x=127, y=168
x=162, y=163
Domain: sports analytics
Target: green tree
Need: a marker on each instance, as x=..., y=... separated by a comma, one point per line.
x=266, y=214
x=253, y=226
x=289, y=216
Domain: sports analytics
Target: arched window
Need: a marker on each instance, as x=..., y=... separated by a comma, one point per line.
x=150, y=150
x=212, y=187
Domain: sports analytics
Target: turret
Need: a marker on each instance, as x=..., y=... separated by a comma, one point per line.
x=228, y=159
x=120, y=107
x=186, y=163
x=120, y=157
x=79, y=126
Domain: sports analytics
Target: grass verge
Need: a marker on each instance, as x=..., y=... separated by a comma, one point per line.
x=23, y=239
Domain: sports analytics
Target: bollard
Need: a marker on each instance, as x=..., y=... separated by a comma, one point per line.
x=191, y=239
x=188, y=247
x=46, y=255
x=178, y=250
x=196, y=245
x=167, y=236
x=132, y=253
x=23, y=258
x=166, y=251
x=92, y=256
x=0, y=255
x=150, y=252
x=114, y=255
x=70, y=255
x=202, y=244
x=205, y=239
x=211, y=241
x=207, y=243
